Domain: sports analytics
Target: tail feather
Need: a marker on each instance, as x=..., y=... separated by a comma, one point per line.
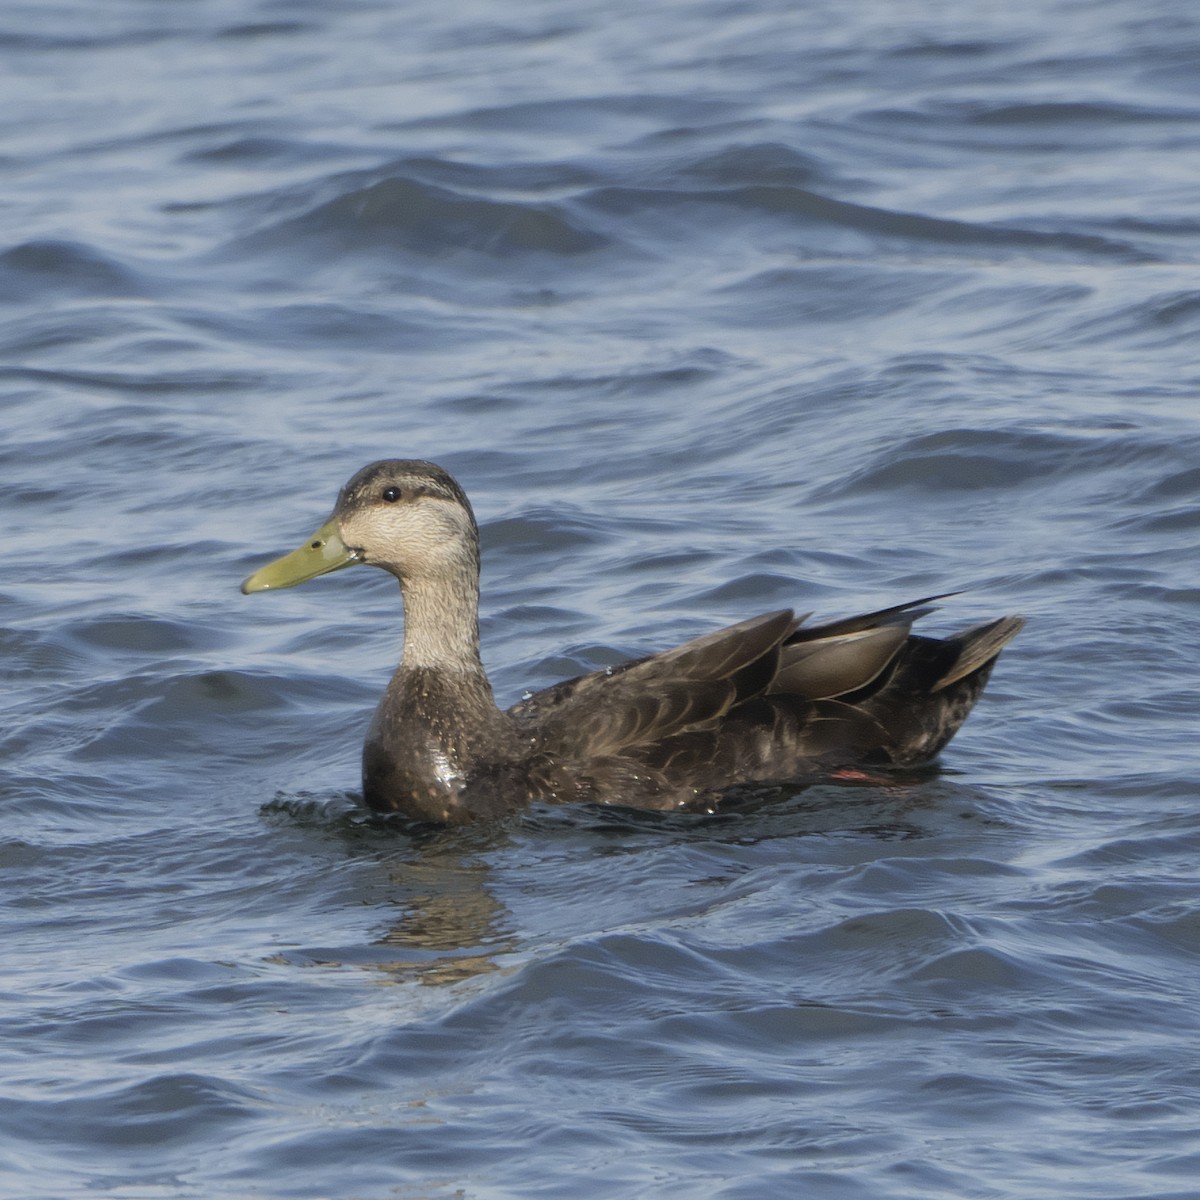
x=976, y=647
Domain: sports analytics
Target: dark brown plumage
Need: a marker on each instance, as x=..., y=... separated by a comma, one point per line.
x=768, y=700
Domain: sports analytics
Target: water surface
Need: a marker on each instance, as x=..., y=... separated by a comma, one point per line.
x=712, y=309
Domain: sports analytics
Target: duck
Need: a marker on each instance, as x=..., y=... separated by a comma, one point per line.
x=767, y=701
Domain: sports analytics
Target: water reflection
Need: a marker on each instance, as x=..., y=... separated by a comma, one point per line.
x=452, y=926
x=452, y=921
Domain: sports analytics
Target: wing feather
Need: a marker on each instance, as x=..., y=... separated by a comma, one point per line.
x=653, y=698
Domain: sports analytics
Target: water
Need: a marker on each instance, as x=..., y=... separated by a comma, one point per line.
x=711, y=308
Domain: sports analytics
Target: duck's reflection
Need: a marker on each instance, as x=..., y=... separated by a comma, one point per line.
x=453, y=923
x=452, y=927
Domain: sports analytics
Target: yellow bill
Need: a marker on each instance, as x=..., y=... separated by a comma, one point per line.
x=323, y=552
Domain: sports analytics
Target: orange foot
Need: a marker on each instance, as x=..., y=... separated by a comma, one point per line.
x=850, y=775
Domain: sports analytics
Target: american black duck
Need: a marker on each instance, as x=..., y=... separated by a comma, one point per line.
x=767, y=700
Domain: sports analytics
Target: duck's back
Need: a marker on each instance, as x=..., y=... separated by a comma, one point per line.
x=767, y=700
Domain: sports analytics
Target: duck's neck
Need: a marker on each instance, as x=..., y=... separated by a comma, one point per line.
x=441, y=626
x=438, y=721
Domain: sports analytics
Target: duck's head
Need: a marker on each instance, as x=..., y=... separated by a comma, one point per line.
x=407, y=516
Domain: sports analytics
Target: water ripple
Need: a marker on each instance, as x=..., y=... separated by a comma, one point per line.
x=712, y=310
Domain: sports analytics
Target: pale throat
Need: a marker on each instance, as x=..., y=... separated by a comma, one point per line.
x=441, y=625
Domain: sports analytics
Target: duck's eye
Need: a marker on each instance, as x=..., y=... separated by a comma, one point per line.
x=392, y=494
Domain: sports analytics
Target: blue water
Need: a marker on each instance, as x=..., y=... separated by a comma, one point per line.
x=711, y=308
